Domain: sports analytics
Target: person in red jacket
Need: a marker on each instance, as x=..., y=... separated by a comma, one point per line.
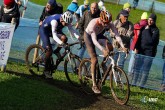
x=137, y=27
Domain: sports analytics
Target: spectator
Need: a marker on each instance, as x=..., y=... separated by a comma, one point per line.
x=81, y=10
x=101, y=5
x=52, y=7
x=73, y=6
x=127, y=7
x=163, y=71
x=84, y=21
x=9, y=12
x=125, y=30
x=135, y=4
x=146, y=48
x=137, y=28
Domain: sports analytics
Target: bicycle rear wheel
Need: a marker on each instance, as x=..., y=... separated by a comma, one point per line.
x=35, y=63
x=120, y=87
x=71, y=65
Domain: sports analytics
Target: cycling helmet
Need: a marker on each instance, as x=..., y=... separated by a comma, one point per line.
x=67, y=17
x=105, y=16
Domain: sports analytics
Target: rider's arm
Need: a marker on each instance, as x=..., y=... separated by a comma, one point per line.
x=73, y=31
x=96, y=43
x=54, y=24
x=116, y=35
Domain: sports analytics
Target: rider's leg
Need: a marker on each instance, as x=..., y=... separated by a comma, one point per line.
x=92, y=53
x=48, y=58
x=44, y=34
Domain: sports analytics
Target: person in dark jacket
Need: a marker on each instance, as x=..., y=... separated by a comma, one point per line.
x=137, y=27
x=84, y=21
x=135, y=4
x=9, y=12
x=163, y=71
x=52, y=7
x=146, y=48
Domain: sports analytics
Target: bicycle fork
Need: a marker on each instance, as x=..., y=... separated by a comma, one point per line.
x=116, y=75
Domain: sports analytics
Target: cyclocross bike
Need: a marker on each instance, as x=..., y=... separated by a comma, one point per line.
x=114, y=76
x=36, y=65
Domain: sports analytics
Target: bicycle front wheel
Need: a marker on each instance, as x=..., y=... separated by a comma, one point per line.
x=85, y=76
x=119, y=85
x=34, y=59
x=71, y=65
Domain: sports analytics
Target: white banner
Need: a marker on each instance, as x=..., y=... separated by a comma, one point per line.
x=6, y=35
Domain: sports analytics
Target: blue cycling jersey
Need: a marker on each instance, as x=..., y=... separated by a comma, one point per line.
x=47, y=21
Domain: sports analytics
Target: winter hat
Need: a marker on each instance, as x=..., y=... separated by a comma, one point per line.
x=86, y=2
x=124, y=13
x=9, y=2
x=153, y=16
x=127, y=5
x=101, y=3
x=52, y=2
x=144, y=15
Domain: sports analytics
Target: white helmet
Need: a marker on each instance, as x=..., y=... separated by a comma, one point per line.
x=67, y=17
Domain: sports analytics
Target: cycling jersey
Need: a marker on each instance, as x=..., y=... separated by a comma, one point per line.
x=95, y=27
x=53, y=25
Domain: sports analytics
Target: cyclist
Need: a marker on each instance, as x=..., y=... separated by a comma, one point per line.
x=93, y=36
x=52, y=26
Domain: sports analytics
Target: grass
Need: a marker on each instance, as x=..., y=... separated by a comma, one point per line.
x=21, y=90
x=161, y=1
x=115, y=9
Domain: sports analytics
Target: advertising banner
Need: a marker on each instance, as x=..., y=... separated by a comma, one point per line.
x=6, y=34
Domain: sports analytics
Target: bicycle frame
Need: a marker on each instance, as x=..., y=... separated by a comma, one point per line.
x=58, y=61
x=109, y=68
x=66, y=52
